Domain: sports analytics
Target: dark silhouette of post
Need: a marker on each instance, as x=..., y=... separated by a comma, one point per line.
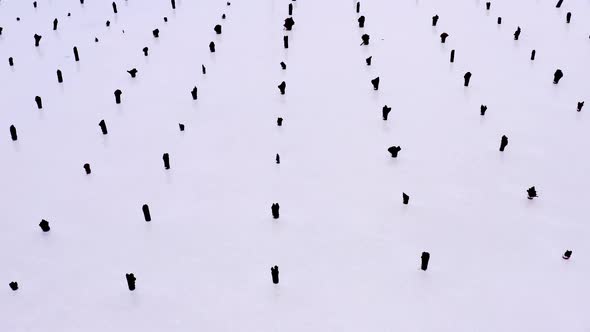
x=156, y=33
x=132, y=72
x=568, y=17
x=114, y=7
x=375, y=83
x=557, y=76
x=290, y=9
x=44, y=224
x=39, y=102
x=130, y=281
x=278, y=159
x=282, y=87
x=365, y=39
x=532, y=192
x=358, y=6
x=1, y=31
x=203, y=69
x=118, y=94
x=517, y=33
x=13, y=285
x=166, y=158
x=434, y=20
x=286, y=41
x=425, y=259
x=443, y=37
x=361, y=21
x=369, y=60
x=283, y=65
x=499, y=20
x=289, y=23
x=76, y=55
x=194, y=93
x=483, y=109
x=181, y=126
x=503, y=143
x=173, y=2
x=37, y=39
x=10, y=61
x=533, y=54
x=275, y=210
x=55, y=24
x=452, y=56
x=467, y=78
x=274, y=271
x=165, y=19
x=13, y=134
x=223, y=16
x=385, y=111
x=212, y=47
x=558, y=5
x=145, y=51
x=394, y=150
x=279, y=122
x=580, y=105
x=488, y=5
x=567, y=254
x=60, y=78
x=405, y=198
x=146, y=212
x=103, y=127
x=34, y=4
x=217, y=29
x=87, y=168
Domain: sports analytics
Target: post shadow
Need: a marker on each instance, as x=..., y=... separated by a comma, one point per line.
x=405, y=198
x=87, y=168
x=275, y=210
x=369, y=60
x=194, y=93
x=60, y=78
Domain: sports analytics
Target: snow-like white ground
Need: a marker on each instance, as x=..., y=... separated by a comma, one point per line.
x=348, y=250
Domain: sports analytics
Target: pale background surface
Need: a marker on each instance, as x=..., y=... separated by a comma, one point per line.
x=347, y=249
